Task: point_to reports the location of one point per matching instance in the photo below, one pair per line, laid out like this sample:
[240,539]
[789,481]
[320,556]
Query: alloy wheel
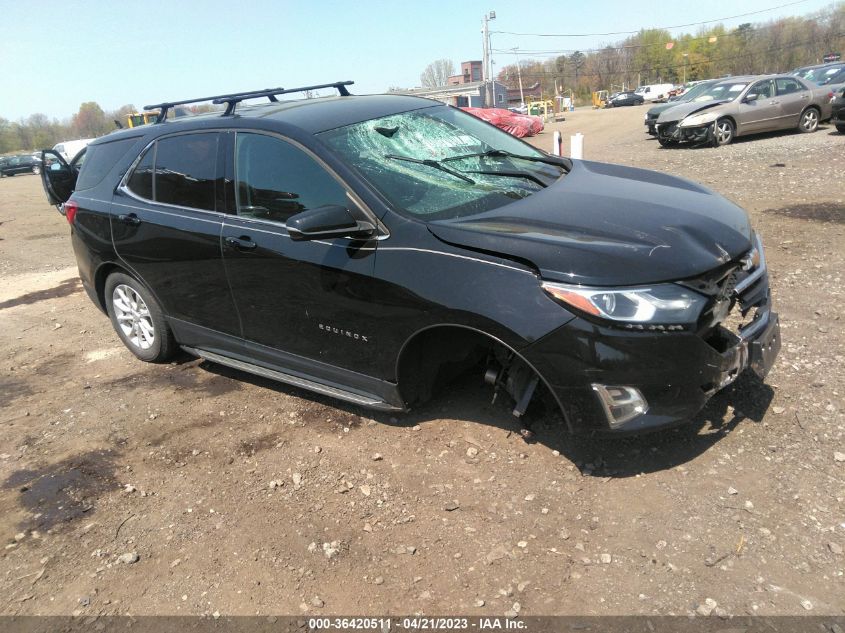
[809,121]
[724,132]
[133,317]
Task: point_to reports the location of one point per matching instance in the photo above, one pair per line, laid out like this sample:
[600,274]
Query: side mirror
[751,97]
[328,221]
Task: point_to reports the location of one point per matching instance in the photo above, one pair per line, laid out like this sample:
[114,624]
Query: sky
[56,55]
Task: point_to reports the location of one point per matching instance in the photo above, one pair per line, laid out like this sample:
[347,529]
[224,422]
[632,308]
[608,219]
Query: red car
[519,125]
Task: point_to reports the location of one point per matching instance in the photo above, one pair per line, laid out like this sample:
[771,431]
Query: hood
[661,107]
[683,110]
[607,225]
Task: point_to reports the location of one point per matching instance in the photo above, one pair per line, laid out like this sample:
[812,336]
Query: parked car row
[31,163]
[719,111]
[20,164]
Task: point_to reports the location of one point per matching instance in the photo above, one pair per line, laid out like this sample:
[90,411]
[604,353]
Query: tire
[36,169]
[809,121]
[137,318]
[723,132]
[666,142]
[840,127]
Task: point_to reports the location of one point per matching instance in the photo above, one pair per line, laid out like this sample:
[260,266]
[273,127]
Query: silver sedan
[745,105]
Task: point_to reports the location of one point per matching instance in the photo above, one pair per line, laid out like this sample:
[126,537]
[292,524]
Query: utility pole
[685,68]
[486,65]
[515,49]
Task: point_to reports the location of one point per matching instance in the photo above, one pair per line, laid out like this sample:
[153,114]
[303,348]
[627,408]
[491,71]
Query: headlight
[657,307]
[698,119]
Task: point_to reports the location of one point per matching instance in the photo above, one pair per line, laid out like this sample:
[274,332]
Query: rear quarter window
[99,159]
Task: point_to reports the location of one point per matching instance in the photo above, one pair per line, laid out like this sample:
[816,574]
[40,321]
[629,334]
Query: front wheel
[809,121]
[723,132]
[137,318]
[666,142]
[840,127]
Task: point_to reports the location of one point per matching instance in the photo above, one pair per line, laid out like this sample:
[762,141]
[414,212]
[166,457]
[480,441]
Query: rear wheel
[840,127]
[723,132]
[809,121]
[36,169]
[137,318]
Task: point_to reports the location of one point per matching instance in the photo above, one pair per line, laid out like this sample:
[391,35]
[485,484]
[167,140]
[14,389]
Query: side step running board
[297,381]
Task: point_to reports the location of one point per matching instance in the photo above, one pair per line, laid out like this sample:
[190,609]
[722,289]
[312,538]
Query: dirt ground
[189,488]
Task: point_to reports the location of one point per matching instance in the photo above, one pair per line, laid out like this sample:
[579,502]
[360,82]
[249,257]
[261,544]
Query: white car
[654,92]
[69,149]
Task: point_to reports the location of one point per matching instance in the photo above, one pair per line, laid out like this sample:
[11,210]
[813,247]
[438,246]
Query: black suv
[372,247]
[20,164]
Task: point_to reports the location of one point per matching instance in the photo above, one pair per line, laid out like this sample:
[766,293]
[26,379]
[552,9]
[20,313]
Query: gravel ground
[193,489]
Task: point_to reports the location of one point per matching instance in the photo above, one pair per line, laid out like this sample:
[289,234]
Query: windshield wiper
[494,153]
[430,162]
[511,174]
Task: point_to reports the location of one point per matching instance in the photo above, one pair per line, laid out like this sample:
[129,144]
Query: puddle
[64,491]
[816,212]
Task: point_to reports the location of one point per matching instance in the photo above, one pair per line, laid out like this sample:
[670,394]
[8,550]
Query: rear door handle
[131,219]
[242,243]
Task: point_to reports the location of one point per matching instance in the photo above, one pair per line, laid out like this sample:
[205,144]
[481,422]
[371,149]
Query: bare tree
[437,73]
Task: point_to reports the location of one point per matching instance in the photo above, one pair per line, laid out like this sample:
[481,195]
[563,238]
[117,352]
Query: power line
[550,74]
[677,26]
[681,40]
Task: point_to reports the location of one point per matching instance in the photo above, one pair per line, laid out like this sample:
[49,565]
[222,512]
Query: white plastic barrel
[577,146]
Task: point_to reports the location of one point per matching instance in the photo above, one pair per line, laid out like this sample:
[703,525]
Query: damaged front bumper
[675,373]
[674,132]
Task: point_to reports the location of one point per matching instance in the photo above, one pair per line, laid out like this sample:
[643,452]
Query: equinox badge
[341,332]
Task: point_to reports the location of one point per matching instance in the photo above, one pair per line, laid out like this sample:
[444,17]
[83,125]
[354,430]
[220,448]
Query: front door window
[275,179]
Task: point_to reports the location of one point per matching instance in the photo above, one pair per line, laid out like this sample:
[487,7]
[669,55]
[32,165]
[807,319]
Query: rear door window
[787,86]
[185,170]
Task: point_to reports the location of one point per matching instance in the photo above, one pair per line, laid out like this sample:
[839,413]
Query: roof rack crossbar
[233,100]
[165,106]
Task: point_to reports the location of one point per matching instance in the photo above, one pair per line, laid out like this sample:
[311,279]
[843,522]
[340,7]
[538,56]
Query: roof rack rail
[165,106]
[233,100]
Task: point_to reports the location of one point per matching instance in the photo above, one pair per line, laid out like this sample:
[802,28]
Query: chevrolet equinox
[369,247]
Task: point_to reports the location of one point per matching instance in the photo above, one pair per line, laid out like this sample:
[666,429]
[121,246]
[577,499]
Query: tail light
[70,209]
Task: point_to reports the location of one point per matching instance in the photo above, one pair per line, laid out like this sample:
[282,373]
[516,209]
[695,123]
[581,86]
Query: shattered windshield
[441,163]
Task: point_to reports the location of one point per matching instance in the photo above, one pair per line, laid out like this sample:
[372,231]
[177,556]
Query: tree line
[655,56]
[38,131]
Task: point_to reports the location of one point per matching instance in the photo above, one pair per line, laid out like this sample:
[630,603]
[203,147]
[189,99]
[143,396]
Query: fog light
[620,404]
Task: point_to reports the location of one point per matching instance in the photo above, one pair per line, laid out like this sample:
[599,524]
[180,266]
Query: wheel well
[100,277]
[812,107]
[439,353]
[729,118]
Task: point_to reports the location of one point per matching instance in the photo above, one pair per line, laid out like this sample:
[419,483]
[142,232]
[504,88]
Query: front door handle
[242,243]
[131,219]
